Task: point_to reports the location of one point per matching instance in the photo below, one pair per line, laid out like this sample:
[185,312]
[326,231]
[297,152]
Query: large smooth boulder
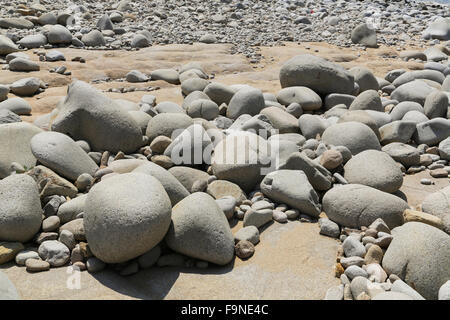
[125,216]
[241,158]
[281,120]
[416,90]
[23,65]
[357,137]
[367,100]
[33,41]
[61,154]
[175,190]
[319,177]
[361,116]
[316,73]
[245,101]
[20,208]
[438,29]
[436,105]
[15,146]
[17,105]
[292,188]
[409,76]
[86,114]
[420,255]
[364,78]
[187,176]
[7,46]
[93,39]
[304,96]
[432,132]
[375,169]
[25,86]
[219,93]
[404,153]
[397,131]
[403,108]
[312,125]
[438,204]
[165,124]
[444,149]
[364,35]
[200,230]
[16,23]
[58,34]
[356,205]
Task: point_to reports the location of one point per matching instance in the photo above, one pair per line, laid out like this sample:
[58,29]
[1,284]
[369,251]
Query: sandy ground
[292,261]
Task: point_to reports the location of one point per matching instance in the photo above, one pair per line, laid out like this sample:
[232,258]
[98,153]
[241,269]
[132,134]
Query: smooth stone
[245,101]
[20,208]
[61,154]
[329,228]
[17,105]
[318,74]
[356,205]
[54,252]
[356,136]
[403,153]
[293,188]
[118,233]
[200,230]
[250,233]
[425,251]
[304,96]
[375,169]
[88,115]
[438,204]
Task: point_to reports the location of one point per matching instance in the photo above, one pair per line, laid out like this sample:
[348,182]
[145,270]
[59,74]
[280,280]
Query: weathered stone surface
[200,230]
[375,169]
[292,187]
[316,73]
[420,255]
[88,115]
[355,205]
[125,216]
[356,136]
[20,208]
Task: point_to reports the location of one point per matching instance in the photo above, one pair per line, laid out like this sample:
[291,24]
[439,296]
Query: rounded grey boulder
[316,73]
[61,154]
[58,34]
[200,230]
[305,97]
[15,146]
[86,114]
[364,35]
[420,255]
[293,188]
[355,205]
[438,204]
[164,124]
[20,208]
[245,101]
[125,216]
[357,137]
[367,100]
[375,169]
[93,39]
[240,158]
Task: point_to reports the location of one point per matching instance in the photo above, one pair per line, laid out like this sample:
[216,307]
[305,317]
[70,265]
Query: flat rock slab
[292,261]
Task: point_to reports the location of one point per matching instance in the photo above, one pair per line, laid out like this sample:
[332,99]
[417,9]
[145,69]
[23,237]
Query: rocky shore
[101,183]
